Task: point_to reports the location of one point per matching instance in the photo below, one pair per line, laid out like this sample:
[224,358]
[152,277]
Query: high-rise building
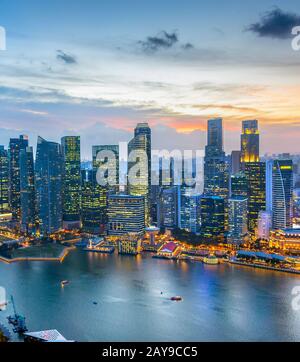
[15,146]
[144,129]
[250,142]
[168,207]
[264,225]
[71,181]
[235,162]
[48,180]
[126,214]
[93,204]
[139,180]
[216,169]
[238,185]
[189,211]
[212,218]
[27,191]
[112,165]
[4,181]
[255,173]
[282,194]
[238,210]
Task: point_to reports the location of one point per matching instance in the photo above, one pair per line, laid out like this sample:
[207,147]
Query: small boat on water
[211,260]
[177,298]
[64,282]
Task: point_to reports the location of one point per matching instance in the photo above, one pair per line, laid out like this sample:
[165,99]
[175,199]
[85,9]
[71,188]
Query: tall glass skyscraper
[15,146]
[282,194]
[255,173]
[4,181]
[189,211]
[71,181]
[48,172]
[27,190]
[213,218]
[250,142]
[140,183]
[144,129]
[238,212]
[93,204]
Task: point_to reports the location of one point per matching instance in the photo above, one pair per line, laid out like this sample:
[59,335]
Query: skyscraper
[216,169]
[144,129]
[27,190]
[238,185]
[264,225]
[139,180]
[238,211]
[189,211]
[126,214]
[255,173]
[71,173]
[250,142]
[4,181]
[212,218]
[235,162]
[282,194]
[168,207]
[15,146]
[93,204]
[48,173]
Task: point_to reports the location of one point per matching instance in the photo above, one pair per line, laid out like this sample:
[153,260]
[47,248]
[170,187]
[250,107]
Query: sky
[95,68]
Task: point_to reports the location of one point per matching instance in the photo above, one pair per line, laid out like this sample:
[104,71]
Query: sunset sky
[96,68]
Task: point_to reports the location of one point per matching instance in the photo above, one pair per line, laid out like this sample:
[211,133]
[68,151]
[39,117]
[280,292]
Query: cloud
[275,24]
[187,46]
[163,40]
[35,113]
[66,58]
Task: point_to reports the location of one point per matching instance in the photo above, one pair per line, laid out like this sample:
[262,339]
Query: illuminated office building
[282,194]
[238,185]
[15,146]
[4,181]
[126,214]
[255,173]
[139,183]
[212,218]
[264,225]
[48,181]
[93,204]
[71,181]
[144,129]
[112,164]
[250,142]
[238,212]
[189,211]
[235,162]
[27,191]
[168,207]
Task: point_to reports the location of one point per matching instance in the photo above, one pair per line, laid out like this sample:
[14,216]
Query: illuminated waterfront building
[126,214]
[71,181]
[93,204]
[129,244]
[264,225]
[4,181]
[287,240]
[212,218]
[27,190]
[15,146]
[250,142]
[139,181]
[282,194]
[168,207]
[255,173]
[237,220]
[48,178]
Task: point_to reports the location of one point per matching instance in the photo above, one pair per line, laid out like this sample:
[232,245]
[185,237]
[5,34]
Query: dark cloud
[163,40]
[187,46]
[275,24]
[66,58]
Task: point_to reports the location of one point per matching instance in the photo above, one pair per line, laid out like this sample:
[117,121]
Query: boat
[211,260]
[177,298]
[64,282]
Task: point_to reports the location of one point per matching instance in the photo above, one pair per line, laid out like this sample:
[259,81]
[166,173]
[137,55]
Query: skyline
[105,67]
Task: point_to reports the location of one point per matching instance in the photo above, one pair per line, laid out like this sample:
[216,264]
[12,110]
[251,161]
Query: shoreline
[59,258]
[250,265]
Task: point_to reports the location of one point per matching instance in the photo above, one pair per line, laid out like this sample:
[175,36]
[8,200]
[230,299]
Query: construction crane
[17,320]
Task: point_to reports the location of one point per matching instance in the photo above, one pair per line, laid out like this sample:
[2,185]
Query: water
[220,303]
